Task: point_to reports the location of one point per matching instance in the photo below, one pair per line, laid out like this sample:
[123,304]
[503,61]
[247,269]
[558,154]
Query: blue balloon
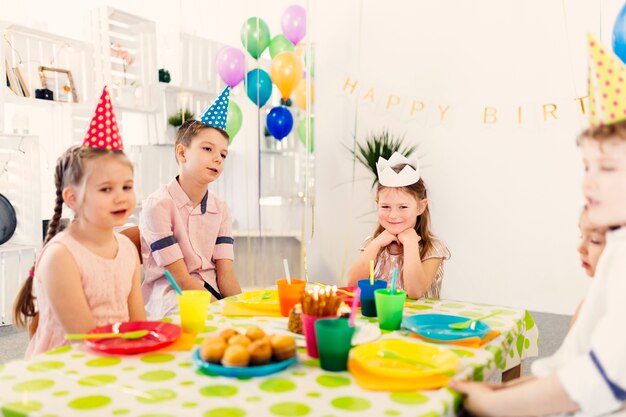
[258,86]
[279,122]
[619,34]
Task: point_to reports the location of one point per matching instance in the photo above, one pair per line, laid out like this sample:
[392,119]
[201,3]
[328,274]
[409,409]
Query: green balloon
[233,122]
[279,44]
[255,36]
[302,132]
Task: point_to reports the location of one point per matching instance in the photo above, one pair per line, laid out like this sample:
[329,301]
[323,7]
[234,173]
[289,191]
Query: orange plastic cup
[289,295]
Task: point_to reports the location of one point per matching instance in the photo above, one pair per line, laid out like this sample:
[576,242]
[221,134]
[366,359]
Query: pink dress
[106,283]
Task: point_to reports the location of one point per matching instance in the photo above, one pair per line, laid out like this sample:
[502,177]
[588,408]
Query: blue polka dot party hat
[215,114]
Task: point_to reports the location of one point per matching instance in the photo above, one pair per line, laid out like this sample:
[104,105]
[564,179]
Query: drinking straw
[173,282]
[393,280]
[355,300]
[371,272]
[287,275]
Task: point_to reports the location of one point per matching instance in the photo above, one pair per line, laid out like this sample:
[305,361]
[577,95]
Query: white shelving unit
[49,127]
[113,28]
[175,99]
[27,49]
[20,184]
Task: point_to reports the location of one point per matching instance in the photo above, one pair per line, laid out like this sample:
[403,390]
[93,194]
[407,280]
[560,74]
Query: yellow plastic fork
[137,334]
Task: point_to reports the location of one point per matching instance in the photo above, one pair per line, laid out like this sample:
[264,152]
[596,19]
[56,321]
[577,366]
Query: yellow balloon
[286,72]
[299,95]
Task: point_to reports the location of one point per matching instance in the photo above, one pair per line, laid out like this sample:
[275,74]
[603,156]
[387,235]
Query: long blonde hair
[69,171]
[422,223]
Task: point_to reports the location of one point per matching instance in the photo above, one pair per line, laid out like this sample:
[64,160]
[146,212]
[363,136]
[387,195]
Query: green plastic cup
[389,308]
[334,340]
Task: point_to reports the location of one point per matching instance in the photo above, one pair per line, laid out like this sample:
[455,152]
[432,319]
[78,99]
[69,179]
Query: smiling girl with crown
[403,236]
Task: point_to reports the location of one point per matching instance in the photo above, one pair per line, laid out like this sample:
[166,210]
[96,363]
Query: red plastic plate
[160,335]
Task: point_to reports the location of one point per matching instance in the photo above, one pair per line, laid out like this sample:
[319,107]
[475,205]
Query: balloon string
[348,238]
[571,62]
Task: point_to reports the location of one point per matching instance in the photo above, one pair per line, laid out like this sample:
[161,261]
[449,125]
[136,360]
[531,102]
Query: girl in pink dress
[86,276]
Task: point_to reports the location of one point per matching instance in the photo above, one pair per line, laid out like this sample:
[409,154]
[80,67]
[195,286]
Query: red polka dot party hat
[607,85]
[103,132]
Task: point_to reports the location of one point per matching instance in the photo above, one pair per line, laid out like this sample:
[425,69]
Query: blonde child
[184,228]
[587,375]
[404,219]
[87,275]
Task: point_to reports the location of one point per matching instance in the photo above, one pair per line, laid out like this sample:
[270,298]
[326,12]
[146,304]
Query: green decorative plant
[376,145]
[179,118]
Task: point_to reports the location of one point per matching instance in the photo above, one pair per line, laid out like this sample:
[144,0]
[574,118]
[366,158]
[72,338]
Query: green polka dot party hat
[215,115]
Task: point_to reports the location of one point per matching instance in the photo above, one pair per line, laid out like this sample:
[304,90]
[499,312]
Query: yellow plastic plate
[373,382]
[259,299]
[433,360]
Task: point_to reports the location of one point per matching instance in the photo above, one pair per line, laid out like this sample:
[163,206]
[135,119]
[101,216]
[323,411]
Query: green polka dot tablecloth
[73,381]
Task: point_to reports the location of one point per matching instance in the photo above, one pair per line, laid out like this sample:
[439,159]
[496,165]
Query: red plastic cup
[310,337]
[289,294]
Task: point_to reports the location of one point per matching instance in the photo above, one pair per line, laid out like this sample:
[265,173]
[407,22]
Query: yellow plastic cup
[194,305]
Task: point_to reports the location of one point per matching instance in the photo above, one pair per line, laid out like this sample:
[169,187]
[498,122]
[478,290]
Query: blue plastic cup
[368,302]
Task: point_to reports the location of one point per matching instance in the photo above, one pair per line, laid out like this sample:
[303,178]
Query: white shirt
[591,363]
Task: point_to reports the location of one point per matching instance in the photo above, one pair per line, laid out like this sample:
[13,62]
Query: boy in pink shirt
[184,227]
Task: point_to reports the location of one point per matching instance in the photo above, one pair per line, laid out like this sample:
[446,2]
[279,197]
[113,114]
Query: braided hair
[69,171]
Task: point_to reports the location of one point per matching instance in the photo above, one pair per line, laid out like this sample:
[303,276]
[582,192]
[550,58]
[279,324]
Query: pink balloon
[294,23]
[231,65]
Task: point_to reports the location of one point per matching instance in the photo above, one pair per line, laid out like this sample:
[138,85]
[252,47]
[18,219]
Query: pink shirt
[106,284]
[172,229]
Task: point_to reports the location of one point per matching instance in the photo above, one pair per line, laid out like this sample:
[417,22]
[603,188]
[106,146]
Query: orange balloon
[299,95]
[286,72]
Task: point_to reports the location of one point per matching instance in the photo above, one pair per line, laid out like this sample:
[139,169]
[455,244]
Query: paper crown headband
[607,85]
[102,131]
[216,114]
[389,178]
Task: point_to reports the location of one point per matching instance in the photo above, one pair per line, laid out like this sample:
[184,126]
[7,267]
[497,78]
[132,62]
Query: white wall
[504,197]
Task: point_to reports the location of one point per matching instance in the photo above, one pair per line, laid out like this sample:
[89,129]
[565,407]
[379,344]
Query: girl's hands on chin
[385,238]
[408,237]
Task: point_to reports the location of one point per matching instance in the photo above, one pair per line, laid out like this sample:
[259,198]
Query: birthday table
[74,381]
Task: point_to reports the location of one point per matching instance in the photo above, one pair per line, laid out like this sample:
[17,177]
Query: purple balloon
[231,65]
[294,23]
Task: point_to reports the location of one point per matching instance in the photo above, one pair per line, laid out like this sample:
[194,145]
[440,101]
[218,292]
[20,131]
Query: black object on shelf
[63,223]
[44,94]
[164,76]
[8,219]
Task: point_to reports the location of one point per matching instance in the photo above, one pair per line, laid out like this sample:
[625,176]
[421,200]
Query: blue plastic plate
[435,326]
[248,371]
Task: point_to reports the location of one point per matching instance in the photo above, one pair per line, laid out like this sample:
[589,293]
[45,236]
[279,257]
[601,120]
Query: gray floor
[552,330]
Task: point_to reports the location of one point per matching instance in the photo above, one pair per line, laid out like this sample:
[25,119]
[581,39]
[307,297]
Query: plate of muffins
[253,353]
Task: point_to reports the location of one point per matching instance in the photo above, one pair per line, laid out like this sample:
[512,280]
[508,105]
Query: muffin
[239,339]
[260,352]
[236,356]
[294,324]
[212,349]
[255,333]
[283,347]
[214,339]
[228,333]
